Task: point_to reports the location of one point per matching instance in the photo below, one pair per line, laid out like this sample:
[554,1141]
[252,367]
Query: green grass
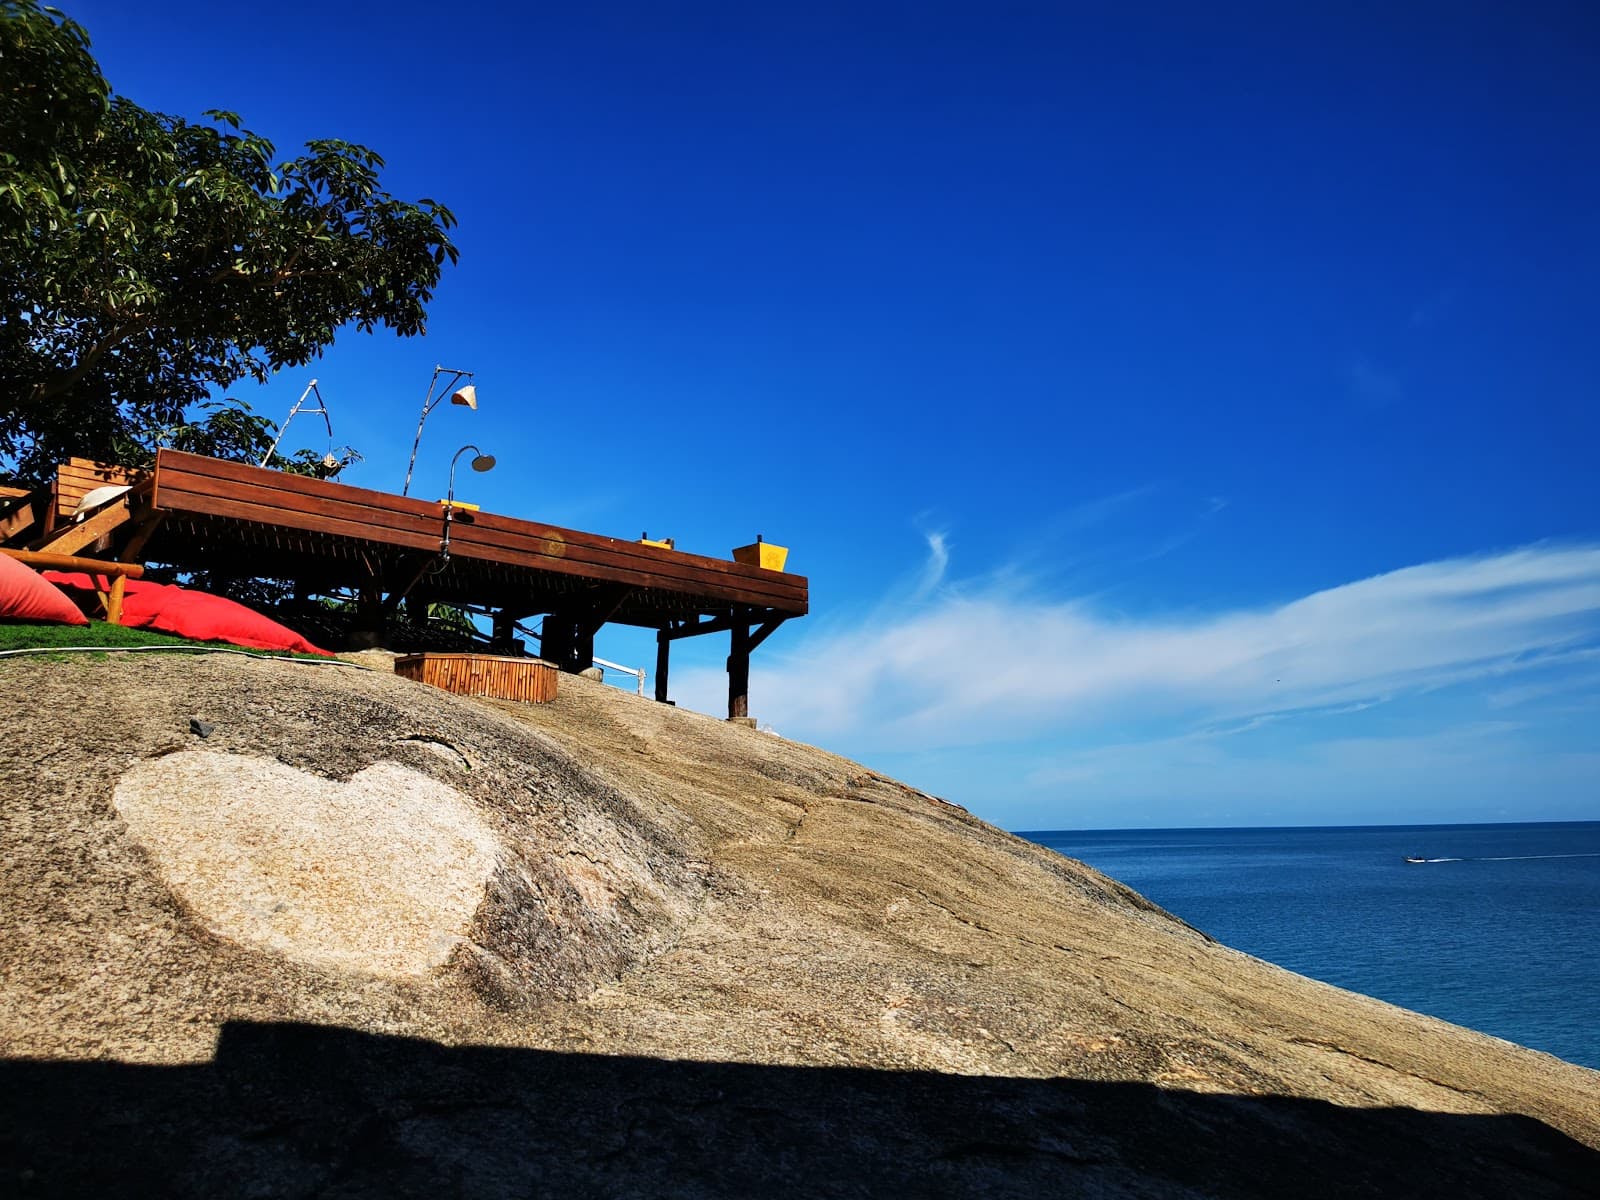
[23,636]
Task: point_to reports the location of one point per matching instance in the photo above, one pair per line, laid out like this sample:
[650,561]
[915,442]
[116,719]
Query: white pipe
[638,671]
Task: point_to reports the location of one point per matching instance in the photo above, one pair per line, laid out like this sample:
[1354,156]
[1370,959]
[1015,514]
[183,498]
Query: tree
[146,261]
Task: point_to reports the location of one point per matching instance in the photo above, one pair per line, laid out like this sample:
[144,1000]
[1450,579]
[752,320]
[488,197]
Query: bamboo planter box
[531,680]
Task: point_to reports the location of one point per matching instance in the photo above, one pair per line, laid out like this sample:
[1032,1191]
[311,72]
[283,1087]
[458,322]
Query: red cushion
[197,615]
[26,596]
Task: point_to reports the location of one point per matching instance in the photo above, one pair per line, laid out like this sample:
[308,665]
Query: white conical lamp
[467,396]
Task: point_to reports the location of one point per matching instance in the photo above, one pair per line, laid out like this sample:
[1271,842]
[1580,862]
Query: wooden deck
[200,513]
[514,559]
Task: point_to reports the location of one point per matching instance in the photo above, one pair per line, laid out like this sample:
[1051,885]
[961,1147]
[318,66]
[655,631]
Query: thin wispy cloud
[1097,511]
[933,569]
[992,663]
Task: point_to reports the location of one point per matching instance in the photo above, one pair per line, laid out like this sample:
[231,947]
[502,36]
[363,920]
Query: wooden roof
[237,518]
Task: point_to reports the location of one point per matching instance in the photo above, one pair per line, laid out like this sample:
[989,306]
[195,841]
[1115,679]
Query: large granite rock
[365,938]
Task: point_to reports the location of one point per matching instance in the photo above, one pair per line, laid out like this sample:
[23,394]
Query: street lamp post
[467,397]
[481,462]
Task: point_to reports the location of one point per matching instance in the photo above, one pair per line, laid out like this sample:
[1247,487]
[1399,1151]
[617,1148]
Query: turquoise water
[1499,931]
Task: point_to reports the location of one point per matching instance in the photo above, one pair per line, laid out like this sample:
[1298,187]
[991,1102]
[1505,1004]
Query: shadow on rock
[292,1110]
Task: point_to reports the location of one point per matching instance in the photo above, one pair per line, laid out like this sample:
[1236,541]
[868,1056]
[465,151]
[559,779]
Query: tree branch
[65,380]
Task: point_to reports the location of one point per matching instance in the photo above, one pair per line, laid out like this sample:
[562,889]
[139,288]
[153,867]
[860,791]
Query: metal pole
[450,501]
[427,407]
[310,387]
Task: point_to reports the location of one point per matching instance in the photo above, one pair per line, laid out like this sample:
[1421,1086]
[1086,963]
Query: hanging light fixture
[466,397]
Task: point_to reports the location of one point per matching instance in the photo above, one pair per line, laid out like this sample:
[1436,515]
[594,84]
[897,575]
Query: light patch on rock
[380,874]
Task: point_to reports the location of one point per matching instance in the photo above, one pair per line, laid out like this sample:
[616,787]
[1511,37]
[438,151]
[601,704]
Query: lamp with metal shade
[481,462]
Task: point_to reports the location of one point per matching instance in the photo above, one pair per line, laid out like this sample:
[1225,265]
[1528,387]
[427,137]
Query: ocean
[1499,930]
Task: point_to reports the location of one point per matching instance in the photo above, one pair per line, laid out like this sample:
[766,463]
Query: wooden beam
[423,564]
[142,534]
[696,628]
[608,599]
[71,562]
[766,631]
[69,539]
[20,518]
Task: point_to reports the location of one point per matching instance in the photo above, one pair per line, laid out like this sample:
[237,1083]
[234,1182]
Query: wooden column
[555,641]
[503,639]
[663,655]
[739,668]
[367,629]
[568,642]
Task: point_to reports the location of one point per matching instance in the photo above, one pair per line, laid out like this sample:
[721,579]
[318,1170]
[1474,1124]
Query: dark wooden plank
[175,496]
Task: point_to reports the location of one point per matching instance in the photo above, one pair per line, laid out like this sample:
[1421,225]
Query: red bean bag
[197,615]
[25,595]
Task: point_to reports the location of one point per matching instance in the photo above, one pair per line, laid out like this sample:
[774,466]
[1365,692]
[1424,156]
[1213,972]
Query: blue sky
[1185,414]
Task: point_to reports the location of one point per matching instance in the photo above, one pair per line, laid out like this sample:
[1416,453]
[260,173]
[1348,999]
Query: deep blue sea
[1499,931]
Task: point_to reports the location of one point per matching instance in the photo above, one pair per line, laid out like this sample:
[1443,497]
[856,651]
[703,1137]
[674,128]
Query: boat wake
[1501,858]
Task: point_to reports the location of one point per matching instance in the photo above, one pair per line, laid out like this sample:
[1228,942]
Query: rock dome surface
[363,938]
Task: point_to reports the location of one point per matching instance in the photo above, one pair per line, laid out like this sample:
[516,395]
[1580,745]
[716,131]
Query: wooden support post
[567,642]
[739,668]
[503,639]
[119,583]
[663,656]
[569,631]
[367,630]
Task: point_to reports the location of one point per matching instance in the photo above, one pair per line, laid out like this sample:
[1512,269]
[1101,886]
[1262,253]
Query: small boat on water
[1412,858]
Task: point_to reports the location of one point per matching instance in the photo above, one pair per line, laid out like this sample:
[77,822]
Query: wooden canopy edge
[391,511]
[194,485]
